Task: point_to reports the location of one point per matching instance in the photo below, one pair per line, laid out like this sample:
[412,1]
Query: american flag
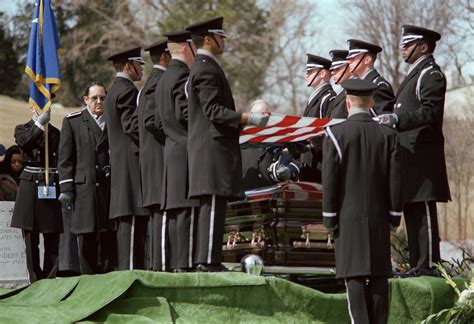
[288,191]
[285,129]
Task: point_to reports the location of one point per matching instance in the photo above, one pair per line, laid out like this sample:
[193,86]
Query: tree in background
[9,69]
[380,22]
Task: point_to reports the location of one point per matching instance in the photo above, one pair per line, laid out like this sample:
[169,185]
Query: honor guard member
[362,56]
[318,106]
[122,130]
[340,72]
[37,209]
[361,201]
[151,144]
[172,110]
[418,116]
[84,174]
[215,169]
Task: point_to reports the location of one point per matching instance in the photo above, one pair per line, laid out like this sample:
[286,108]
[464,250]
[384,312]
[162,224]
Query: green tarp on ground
[149,297]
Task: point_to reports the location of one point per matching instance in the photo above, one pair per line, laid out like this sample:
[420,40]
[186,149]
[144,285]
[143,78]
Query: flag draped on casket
[282,129]
[42,65]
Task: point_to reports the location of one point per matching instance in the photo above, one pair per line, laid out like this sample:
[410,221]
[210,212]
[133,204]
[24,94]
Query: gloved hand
[258,119]
[44,118]
[284,173]
[66,198]
[388,119]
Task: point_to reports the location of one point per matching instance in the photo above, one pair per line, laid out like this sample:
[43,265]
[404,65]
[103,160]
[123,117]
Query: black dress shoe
[407,274]
[432,272]
[210,268]
[180,270]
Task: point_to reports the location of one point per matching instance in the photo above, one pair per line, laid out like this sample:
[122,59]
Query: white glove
[388,119]
[258,119]
[44,118]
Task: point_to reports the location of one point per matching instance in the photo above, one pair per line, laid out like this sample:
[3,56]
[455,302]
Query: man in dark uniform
[340,73]
[361,201]
[122,131]
[152,140]
[418,116]
[173,112]
[37,211]
[319,105]
[84,175]
[362,56]
[215,170]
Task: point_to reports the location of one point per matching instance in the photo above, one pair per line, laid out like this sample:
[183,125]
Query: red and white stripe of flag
[286,129]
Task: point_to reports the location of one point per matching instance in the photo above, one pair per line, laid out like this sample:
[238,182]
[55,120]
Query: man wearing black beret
[362,56]
[418,116]
[361,201]
[215,166]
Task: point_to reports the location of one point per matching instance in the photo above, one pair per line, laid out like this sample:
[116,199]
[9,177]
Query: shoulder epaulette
[74,114]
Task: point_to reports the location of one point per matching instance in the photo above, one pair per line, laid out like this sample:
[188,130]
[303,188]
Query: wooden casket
[283,224]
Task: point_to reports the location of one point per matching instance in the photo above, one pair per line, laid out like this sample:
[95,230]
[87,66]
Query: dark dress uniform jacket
[30,213]
[362,194]
[255,163]
[173,112]
[420,107]
[152,140]
[319,106]
[122,130]
[384,97]
[83,169]
[338,106]
[215,166]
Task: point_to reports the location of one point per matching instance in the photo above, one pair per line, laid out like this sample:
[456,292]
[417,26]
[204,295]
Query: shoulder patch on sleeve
[74,114]
[383,83]
[438,72]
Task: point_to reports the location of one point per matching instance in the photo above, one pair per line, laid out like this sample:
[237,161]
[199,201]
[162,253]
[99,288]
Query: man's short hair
[360,101]
[198,40]
[119,67]
[93,84]
[431,45]
[175,48]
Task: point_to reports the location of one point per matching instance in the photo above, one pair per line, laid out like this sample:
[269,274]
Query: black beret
[317,62]
[357,47]
[182,36]
[338,58]
[124,56]
[211,26]
[158,48]
[411,33]
[359,87]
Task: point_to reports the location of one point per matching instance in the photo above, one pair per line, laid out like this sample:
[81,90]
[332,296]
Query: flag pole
[46,158]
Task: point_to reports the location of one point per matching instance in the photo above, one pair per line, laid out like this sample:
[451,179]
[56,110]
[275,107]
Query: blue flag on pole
[42,65]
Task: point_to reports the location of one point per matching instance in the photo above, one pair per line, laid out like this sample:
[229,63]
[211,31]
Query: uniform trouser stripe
[163,242]
[349,302]
[211,229]
[132,236]
[430,235]
[191,238]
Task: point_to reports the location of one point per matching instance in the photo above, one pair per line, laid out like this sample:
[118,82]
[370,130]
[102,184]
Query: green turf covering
[148,297]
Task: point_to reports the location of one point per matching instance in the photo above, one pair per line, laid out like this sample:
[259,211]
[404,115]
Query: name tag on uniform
[44,193]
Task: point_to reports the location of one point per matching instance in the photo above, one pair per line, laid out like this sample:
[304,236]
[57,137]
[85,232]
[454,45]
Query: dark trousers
[210,230]
[131,242]
[181,233]
[97,252]
[368,299]
[423,234]
[159,240]
[50,257]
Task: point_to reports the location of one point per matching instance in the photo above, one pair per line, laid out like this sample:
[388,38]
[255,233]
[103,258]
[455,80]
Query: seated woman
[11,168]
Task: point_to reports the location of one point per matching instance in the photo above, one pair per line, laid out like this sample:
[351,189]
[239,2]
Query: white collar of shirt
[124,75]
[98,120]
[160,67]
[357,110]
[206,52]
[316,91]
[366,73]
[417,62]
